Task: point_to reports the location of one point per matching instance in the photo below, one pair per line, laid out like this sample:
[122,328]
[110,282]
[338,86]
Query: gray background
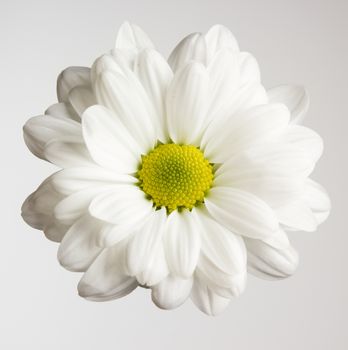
[294,41]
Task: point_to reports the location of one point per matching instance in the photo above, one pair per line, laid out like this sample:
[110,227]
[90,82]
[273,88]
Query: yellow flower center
[175,176]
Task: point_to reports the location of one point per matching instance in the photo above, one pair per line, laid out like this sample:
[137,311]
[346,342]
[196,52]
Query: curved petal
[155,74]
[72,207]
[125,205]
[305,139]
[250,129]
[68,154]
[294,97]
[105,279]
[62,110]
[187,104]
[224,79]
[191,48]
[316,197]
[171,292]
[81,97]
[241,212]
[207,301]
[219,37]
[78,248]
[108,141]
[145,243]
[68,181]
[128,100]
[219,245]
[182,243]
[246,97]
[249,69]
[132,37]
[38,131]
[268,262]
[70,78]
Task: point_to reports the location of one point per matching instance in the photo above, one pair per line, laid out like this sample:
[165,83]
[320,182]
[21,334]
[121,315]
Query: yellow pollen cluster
[175,176]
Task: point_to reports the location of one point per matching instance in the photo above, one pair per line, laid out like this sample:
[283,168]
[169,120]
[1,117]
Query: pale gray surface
[294,41]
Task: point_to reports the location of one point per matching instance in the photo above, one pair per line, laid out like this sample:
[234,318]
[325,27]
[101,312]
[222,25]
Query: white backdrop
[298,41]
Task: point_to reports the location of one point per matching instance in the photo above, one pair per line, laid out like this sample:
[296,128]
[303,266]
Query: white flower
[176,176]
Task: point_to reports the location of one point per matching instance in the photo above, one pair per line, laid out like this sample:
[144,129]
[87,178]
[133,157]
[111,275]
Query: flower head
[177,176]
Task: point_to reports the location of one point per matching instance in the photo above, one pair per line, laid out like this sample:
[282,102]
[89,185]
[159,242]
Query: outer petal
[246,97]
[250,129]
[38,131]
[127,99]
[70,78]
[241,212]
[187,104]
[106,279]
[132,37]
[207,301]
[191,48]
[155,75]
[219,37]
[269,262]
[108,141]
[78,248]
[126,206]
[171,292]
[145,243]
[81,97]
[68,181]
[294,97]
[316,197]
[182,243]
[37,211]
[249,69]
[62,110]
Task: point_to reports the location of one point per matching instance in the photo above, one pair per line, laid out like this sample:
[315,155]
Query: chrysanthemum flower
[177,176]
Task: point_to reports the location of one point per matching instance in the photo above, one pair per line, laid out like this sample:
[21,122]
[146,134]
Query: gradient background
[296,41]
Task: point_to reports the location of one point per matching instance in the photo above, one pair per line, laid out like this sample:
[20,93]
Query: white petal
[207,301]
[72,207]
[266,261]
[132,37]
[294,97]
[38,131]
[70,78]
[241,212]
[250,129]
[273,181]
[78,248]
[297,215]
[126,205]
[68,154]
[182,243]
[62,110]
[246,97]
[81,97]
[108,141]
[55,231]
[155,75]
[156,271]
[249,69]
[106,279]
[144,244]
[128,100]
[222,247]
[224,78]
[71,180]
[191,48]
[316,197]
[187,104]
[219,37]
[171,292]
[305,139]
